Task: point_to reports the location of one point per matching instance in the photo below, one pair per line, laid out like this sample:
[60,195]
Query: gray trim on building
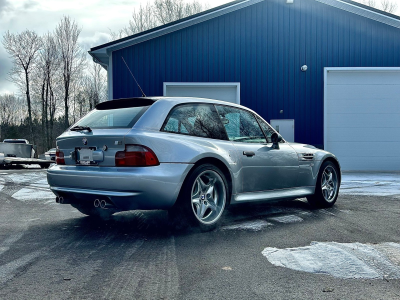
[364,12]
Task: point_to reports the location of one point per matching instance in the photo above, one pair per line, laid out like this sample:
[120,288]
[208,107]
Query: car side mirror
[276,138]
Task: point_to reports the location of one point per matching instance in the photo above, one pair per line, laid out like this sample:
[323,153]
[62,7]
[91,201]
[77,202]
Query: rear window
[112,118]
[16,141]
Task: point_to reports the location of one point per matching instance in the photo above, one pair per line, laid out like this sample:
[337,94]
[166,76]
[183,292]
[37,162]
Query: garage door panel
[365,149]
[361,134]
[357,77]
[355,120]
[362,118]
[369,164]
[369,92]
[362,106]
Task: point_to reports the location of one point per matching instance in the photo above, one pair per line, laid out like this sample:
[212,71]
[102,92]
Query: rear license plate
[85,156]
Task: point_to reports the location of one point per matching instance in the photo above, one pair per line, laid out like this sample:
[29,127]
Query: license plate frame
[84,156]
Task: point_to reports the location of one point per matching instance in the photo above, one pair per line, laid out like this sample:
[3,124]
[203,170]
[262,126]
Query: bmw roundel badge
[84,141]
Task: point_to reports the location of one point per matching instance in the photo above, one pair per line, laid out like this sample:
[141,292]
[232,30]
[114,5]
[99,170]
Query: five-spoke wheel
[203,198]
[327,188]
[208,196]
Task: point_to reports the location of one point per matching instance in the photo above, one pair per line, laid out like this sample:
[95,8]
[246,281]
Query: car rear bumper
[128,188]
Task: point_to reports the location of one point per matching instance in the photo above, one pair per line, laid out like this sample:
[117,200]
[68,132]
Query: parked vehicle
[50,154]
[19,152]
[191,156]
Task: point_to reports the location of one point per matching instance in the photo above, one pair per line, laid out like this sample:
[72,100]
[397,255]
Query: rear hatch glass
[112,118]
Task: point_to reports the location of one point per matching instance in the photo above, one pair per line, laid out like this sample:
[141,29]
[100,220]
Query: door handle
[248,153]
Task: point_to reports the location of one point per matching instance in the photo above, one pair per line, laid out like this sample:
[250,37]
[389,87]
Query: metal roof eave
[364,11]
[99,53]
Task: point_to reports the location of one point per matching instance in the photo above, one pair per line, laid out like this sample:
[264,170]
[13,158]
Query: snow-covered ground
[374,184]
[26,186]
[343,260]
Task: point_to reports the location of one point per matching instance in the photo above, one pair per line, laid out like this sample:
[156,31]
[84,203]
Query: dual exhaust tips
[61,200]
[104,204]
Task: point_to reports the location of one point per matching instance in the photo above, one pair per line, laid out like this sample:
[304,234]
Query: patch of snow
[251,225]
[27,177]
[27,194]
[376,184]
[40,184]
[342,260]
[287,219]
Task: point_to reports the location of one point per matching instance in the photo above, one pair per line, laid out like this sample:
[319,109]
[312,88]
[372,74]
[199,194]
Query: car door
[263,167]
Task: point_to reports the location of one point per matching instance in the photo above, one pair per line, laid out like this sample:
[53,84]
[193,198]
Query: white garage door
[225,91]
[362,117]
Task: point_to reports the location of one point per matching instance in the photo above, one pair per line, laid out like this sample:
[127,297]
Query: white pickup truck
[19,152]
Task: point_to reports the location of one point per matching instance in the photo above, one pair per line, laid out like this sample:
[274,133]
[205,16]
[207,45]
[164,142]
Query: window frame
[213,109]
[248,111]
[259,120]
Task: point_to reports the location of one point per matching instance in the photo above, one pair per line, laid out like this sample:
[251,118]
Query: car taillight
[136,156]
[60,157]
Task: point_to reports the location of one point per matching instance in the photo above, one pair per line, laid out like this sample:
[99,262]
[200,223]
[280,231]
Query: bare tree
[47,67]
[95,85]
[371,3]
[389,6]
[11,113]
[23,49]
[171,10]
[72,57]
[159,13]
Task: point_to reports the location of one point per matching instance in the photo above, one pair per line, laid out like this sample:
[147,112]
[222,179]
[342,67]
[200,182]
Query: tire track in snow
[11,269]
[148,271]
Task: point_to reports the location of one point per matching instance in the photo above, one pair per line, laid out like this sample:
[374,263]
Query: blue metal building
[261,44]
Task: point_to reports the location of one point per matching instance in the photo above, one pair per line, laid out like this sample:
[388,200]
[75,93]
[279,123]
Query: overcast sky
[95,17]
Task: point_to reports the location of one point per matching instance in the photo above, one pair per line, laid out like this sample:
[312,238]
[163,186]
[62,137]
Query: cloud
[5,66]
[4,5]
[29,5]
[98,38]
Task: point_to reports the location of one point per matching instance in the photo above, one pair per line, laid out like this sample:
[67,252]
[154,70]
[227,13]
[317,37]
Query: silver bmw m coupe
[190,156]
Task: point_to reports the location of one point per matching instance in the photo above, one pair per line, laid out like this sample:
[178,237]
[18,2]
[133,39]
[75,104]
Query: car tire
[94,212]
[327,186]
[202,200]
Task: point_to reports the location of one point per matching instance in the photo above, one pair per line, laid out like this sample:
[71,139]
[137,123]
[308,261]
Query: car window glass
[112,118]
[268,130]
[195,119]
[240,125]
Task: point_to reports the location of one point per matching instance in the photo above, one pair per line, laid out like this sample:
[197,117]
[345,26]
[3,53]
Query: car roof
[154,117]
[143,101]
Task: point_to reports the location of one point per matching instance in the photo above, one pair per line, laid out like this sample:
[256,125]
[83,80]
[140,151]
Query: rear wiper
[80,128]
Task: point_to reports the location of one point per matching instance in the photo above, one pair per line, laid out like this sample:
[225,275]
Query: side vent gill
[306,156]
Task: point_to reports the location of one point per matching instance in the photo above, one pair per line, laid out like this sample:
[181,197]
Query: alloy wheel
[208,197]
[329,183]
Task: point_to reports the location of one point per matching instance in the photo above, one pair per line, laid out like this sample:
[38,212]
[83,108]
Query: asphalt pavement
[282,250]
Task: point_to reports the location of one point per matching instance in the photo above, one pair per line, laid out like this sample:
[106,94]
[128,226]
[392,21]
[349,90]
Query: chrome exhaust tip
[57,199]
[61,200]
[105,205]
[97,203]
